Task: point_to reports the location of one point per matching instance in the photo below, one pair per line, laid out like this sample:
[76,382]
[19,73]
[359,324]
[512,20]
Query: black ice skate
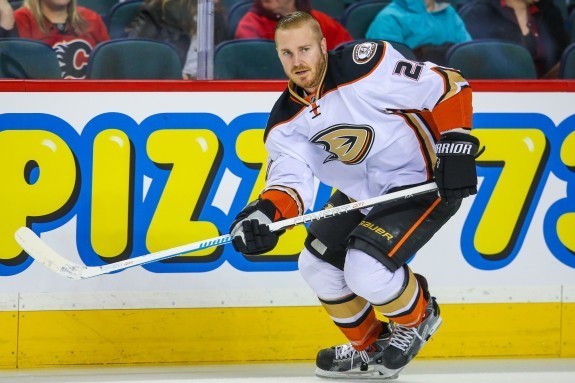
[345,362]
[405,342]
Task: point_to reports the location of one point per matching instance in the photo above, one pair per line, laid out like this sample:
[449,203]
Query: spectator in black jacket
[535,24]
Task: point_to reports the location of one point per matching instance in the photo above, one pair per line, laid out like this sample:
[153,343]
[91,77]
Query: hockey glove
[250,230]
[455,173]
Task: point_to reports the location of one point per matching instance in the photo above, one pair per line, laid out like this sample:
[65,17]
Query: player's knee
[376,250]
[369,278]
[324,279]
[305,264]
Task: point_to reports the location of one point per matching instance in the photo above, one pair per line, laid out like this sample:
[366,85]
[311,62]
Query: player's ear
[323,46]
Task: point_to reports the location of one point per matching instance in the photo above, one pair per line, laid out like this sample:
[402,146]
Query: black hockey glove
[455,173]
[250,230]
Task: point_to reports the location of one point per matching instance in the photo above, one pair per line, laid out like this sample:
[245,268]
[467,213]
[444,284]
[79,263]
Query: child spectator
[260,21]
[175,22]
[535,24]
[70,30]
[427,27]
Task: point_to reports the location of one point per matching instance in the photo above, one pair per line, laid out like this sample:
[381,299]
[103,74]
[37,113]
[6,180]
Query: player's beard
[316,75]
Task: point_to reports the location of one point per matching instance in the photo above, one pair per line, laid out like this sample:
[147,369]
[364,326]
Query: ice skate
[345,362]
[405,342]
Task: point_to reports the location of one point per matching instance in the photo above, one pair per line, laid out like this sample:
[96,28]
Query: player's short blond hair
[298,19]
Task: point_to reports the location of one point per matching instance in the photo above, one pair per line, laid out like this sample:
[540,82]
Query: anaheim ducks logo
[364,52]
[73,57]
[349,144]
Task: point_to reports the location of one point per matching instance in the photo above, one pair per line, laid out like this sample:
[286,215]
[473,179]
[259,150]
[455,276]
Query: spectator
[175,21]
[70,30]
[6,19]
[427,27]
[535,24]
[261,20]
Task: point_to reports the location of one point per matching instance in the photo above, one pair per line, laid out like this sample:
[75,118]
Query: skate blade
[376,373]
[434,329]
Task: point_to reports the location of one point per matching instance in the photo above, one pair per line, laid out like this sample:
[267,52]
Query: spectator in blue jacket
[426,26]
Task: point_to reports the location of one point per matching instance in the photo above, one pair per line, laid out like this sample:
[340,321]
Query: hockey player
[365,121]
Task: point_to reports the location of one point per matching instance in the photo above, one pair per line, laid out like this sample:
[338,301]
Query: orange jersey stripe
[455,112]
[286,206]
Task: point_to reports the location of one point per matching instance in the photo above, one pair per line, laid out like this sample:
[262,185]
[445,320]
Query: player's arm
[443,98]
[456,149]
[289,189]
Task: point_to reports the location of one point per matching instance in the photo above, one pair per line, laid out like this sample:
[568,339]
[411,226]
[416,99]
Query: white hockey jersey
[371,126]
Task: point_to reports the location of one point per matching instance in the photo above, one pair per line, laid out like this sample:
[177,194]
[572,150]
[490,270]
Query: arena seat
[359,16]
[227,4]
[134,59]
[121,15]
[247,59]
[491,59]
[235,14]
[567,65]
[16,3]
[102,7]
[333,8]
[24,58]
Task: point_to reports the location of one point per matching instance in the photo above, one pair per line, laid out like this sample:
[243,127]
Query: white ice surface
[419,371]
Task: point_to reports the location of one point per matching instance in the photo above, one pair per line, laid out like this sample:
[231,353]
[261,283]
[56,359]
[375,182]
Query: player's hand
[455,173]
[250,230]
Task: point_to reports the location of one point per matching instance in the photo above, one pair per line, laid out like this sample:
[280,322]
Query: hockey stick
[41,252]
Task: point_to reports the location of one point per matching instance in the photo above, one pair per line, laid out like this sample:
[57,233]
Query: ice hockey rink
[419,371]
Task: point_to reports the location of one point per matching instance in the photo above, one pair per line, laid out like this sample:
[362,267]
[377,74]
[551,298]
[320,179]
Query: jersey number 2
[408,69]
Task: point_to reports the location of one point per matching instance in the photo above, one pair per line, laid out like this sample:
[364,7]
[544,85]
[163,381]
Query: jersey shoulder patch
[364,52]
[354,61]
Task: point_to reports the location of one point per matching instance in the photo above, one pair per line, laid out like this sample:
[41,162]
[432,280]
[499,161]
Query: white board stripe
[265,298]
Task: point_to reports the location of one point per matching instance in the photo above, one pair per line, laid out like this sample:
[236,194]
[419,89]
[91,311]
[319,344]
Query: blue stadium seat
[247,59]
[134,59]
[333,8]
[358,17]
[102,7]
[491,59]
[562,5]
[227,4]
[16,3]
[235,14]
[24,58]
[567,65]
[121,15]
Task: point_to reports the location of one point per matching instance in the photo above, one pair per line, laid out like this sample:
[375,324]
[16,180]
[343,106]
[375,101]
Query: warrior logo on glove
[455,172]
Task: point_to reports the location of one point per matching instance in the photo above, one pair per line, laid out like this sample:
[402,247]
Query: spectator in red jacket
[70,30]
[260,21]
